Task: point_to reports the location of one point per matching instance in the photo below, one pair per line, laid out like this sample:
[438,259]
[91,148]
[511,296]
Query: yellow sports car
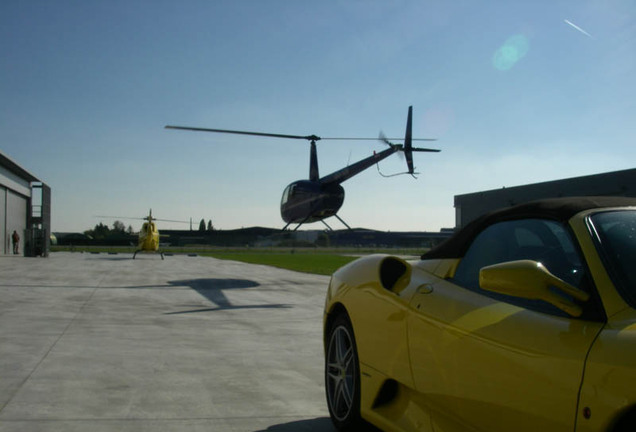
[525,320]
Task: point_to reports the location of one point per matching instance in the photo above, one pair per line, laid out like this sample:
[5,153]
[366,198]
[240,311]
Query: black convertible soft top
[558,209]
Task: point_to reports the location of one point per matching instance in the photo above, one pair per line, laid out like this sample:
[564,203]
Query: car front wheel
[342,377]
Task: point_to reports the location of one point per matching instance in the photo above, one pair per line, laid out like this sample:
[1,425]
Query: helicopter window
[288,193]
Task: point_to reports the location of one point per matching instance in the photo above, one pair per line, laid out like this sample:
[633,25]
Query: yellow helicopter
[148,237]
[149,234]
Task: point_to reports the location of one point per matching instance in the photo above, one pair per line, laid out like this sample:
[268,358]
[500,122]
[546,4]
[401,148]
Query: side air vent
[387,393]
[393,270]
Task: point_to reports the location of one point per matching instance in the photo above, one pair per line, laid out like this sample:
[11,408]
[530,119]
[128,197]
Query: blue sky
[515,92]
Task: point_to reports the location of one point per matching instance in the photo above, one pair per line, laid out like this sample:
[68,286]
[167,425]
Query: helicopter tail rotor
[407,148]
[408,143]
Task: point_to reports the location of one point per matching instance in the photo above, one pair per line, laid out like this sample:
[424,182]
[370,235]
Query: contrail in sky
[571,24]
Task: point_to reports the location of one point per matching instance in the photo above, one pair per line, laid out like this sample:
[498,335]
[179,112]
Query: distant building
[25,207]
[617,183]
[271,237]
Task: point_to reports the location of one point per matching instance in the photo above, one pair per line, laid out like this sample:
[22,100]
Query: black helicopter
[315,199]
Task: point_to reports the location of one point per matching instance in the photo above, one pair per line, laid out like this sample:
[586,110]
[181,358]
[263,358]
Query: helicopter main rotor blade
[140,218]
[375,139]
[121,217]
[169,220]
[416,149]
[307,137]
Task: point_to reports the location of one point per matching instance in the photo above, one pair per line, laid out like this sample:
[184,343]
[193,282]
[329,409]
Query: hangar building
[617,183]
[25,207]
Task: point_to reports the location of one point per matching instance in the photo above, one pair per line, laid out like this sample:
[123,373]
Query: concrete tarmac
[105,343]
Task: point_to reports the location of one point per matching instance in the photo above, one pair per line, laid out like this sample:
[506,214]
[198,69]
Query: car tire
[342,376]
[626,422]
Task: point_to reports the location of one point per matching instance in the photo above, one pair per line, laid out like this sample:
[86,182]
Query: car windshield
[616,233]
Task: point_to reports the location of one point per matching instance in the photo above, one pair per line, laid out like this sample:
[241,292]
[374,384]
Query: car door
[489,362]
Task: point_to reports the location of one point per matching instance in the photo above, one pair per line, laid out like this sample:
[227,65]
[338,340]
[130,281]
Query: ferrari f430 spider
[525,320]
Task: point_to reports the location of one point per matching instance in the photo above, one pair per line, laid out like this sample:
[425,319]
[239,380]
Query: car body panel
[487,362]
[610,374]
[385,311]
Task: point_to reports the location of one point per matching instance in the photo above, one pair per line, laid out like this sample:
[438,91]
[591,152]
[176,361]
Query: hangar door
[3,212]
[14,213]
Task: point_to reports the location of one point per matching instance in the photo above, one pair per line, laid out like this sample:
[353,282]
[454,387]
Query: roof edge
[16,169]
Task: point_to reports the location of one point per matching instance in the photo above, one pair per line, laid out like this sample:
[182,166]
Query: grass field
[317,263]
[309,260]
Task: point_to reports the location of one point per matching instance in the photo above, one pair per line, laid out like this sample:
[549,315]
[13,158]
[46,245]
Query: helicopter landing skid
[321,220]
[340,219]
[326,224]
[343,222]
[140,250]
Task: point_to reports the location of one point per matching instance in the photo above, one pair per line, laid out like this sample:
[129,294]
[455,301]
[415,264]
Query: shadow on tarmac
[321,424]
[213,290]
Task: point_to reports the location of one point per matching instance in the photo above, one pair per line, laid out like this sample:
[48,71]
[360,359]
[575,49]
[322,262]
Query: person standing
[15,237]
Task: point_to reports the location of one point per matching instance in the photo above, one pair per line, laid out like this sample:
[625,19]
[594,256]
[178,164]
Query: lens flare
[438,120]
[509,54]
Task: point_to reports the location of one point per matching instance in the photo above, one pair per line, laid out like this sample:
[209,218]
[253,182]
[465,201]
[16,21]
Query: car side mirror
[531,280]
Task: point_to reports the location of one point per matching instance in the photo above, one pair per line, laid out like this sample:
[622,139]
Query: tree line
[101,231]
